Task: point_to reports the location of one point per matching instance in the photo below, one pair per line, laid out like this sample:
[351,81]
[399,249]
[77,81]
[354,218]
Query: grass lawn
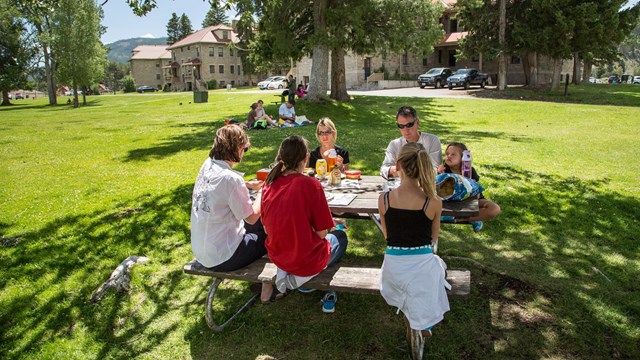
[556,276]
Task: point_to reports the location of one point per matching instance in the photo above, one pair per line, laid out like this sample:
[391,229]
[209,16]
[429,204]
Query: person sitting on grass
[261,114]
[412,276]
[287,113]
[453,165]
[226,232]
[255,121]
[301,91]
[303,238]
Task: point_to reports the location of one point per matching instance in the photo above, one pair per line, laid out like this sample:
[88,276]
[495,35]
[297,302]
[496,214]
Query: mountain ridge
[120,51]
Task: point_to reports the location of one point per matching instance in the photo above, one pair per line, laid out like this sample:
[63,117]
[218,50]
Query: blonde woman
[327,134]
[413,277]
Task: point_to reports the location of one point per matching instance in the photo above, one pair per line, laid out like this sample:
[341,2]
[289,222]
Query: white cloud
[148,36]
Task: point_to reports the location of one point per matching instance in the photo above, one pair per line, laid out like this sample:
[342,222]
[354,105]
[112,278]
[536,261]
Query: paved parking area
[407,92]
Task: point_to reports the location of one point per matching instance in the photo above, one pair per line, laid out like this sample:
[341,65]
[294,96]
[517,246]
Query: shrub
[212,84]
[128,84]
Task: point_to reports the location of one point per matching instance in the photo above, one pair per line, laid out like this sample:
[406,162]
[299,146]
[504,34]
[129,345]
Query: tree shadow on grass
[557,235]
[588,94]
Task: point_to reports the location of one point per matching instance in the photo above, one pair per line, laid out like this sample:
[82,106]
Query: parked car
[435,77]
[146,88]
[636,79]
[262,85]
[614,79]
[70,93]
[467,77]
[19,95]
[279,83]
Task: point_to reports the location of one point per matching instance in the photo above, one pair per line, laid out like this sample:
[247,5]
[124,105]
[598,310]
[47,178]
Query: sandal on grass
[270,294]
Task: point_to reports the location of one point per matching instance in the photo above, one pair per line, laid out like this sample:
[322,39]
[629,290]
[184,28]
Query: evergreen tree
[15,53]
[173,29]
[215,16]
[184,26]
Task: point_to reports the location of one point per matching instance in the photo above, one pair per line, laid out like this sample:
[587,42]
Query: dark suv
[436,77]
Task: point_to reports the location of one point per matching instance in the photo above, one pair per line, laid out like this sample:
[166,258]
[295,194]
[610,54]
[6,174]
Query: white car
[636,79]
[263,85]
[279,83]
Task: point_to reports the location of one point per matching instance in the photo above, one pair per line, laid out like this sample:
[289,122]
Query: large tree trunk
[557,73]
[586,70]
[338,80]
[5,98]
[320,61]
[502,59]
[576,68]
[530,67]
[49,70]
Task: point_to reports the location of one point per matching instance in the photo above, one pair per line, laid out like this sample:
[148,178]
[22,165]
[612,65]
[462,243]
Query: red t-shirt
[292,209]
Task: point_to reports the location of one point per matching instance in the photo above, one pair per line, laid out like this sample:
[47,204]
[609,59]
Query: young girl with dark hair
[453,165]
[302,240]
[413,277]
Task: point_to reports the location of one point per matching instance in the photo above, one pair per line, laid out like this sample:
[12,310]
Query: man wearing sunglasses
[408,123]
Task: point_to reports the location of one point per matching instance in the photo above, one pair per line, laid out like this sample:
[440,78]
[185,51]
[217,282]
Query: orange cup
[262,174]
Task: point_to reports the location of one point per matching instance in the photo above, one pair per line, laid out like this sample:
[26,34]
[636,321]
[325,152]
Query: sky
[121,23]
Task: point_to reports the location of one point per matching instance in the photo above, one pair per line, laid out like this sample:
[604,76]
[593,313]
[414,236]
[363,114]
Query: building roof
[206,35]
[150,52]
[452,38]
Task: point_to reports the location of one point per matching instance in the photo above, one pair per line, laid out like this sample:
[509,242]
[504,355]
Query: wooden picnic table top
[370,187]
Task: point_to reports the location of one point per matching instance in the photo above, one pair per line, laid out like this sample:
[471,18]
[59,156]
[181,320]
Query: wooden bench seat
[340,278]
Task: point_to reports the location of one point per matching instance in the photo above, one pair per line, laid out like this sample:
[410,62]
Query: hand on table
[254,184]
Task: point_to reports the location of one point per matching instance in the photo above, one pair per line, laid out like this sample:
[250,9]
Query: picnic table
[363,195]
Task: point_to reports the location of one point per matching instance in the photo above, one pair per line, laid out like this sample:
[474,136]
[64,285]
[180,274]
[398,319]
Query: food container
[353,174]
[262,174]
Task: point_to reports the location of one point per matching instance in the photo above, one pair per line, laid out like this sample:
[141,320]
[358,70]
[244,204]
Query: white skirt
[416,285]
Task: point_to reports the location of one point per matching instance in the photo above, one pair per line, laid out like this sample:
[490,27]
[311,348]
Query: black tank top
[407,228]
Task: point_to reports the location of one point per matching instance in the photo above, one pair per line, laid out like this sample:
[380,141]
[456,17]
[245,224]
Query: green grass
[82,189]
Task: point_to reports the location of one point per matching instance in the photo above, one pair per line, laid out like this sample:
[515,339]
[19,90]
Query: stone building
[146,64]
[205,55]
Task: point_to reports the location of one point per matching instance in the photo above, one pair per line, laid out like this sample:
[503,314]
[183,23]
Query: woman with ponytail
[302,241]
[413,277]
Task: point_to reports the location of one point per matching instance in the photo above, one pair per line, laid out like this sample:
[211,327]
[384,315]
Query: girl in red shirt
[302,241]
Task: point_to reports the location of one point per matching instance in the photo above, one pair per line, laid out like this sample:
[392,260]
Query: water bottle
[466,164]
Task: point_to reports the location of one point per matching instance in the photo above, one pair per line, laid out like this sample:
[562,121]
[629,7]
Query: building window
[220,51]
[221,83]
[198,51]
[439,56]
[515,60]
[212,69]
[424,61]
[233,83]
[230,51]
[239,70]
[453,25]
[158,64]
[212,51]
[221,69]
[158,76]
[405,58]
[181,49]
[232,69]
[225,35]
[188,47]
[174,56]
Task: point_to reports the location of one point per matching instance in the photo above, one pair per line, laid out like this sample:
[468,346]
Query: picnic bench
[281,96]
[341,278]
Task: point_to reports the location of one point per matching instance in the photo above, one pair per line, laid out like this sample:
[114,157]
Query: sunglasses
[328,132]
[407,125]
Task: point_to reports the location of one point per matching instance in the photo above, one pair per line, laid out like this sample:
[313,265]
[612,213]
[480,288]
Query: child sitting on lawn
[453,165]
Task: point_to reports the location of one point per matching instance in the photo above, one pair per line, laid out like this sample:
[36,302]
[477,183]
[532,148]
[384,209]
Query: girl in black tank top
[407,228]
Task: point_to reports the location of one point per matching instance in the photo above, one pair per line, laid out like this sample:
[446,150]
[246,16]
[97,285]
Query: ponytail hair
[293,150]
[416,164]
